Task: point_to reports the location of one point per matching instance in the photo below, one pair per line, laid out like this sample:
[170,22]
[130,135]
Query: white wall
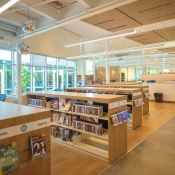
[52,43]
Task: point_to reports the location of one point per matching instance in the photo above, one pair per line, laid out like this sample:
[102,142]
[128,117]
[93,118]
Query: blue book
[128,115]
[120,118]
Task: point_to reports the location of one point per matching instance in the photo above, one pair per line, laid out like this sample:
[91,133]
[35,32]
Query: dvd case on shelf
[38,147]
[9,160]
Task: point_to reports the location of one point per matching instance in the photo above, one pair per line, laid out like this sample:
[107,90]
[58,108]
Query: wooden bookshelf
[12,118]
[145,89]
[136,93]
[112,143]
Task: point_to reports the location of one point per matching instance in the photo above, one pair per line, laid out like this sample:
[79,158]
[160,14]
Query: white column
[94,68]
[19,87]
[107,64]
[82,64]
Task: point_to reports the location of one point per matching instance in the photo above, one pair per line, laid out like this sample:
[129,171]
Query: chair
[2,97]
[58,89]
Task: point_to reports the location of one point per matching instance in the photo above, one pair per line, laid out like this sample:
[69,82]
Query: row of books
[120,117]
[96,110]
[61,118]
[63,133]
[88,126]
[36,102]
[9,158]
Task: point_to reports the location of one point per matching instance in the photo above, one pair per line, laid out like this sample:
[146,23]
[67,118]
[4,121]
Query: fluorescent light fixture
[86,55]
[137,48]
[99,38]
[7,5]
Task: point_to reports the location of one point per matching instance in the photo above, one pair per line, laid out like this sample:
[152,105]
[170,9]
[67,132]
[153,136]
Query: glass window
[51,78]
[62,78]
[38,79]
[138,72]
[71,64]
[131,74]
[25,79]
[6,79]
[71,78]
[123,74]
[5,57]
[51,62]
[62,64]
[25,59]
[39,60]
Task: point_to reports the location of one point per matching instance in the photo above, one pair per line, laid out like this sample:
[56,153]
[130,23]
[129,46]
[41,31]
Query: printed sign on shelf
[26,127]
[117,104]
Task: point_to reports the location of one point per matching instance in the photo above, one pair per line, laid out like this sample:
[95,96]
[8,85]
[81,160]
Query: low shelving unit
[136,93]
[145,90]
[108,146]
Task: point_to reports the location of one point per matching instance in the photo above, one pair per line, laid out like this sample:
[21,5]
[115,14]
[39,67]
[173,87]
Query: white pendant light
[86,55]
[137,48]
[98,38]
[7,5]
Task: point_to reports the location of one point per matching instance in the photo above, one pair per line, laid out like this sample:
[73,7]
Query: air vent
[117,27]
[136,36]
[1,38]
[104,22]
[163,16]
[154,8]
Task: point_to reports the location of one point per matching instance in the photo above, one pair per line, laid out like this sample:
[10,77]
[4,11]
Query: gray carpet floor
[154,156]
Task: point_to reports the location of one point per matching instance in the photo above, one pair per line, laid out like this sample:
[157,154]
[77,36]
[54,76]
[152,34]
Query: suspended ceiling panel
[169,49]
[61,3]
[150,11]
[168,33]
[112,21]
[146,38]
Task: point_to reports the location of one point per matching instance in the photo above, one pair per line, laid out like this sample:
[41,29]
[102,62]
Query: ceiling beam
[8,27]
[26,7]
[84,3]
[71,14]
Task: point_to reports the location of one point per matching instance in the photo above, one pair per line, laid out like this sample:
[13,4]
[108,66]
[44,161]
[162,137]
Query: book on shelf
[68,106]
[61,131]
[38,146]
[9,160]
[68,120]
[54,103]
[62,103]
[55,116]
[115,120]
[128,115]
[120,118]
[124,115]
[54,131]
[61,119]
[66,135]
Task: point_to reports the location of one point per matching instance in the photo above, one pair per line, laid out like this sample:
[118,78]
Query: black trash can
[158,97]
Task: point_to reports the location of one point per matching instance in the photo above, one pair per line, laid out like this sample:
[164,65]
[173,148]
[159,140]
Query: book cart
[17,124]
[145,91]
[108,146]
[136,93]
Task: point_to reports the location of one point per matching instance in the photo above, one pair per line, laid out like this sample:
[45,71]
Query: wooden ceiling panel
[112,20]
[169,49]
[146,38]
[168,33]
[150,11]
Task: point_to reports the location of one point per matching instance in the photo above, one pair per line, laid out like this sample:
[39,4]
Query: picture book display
[37,147]
[120,117]
[138,102]
[62,118]
[9,160]
[68,106]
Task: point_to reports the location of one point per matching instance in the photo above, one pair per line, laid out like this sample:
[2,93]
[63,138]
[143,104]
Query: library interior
[87,87]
